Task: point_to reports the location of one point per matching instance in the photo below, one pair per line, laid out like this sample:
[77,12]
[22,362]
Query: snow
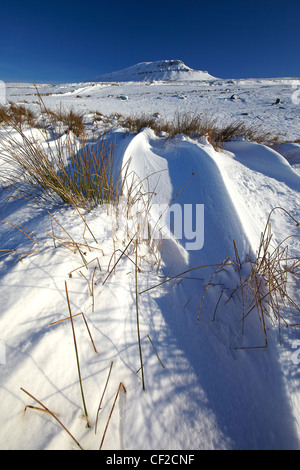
[264,160]
[202,391]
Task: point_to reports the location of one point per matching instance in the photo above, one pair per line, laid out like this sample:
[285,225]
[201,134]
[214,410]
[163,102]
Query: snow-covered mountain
[161,70]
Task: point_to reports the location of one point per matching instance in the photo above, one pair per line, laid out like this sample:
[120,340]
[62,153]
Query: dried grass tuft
[17,115]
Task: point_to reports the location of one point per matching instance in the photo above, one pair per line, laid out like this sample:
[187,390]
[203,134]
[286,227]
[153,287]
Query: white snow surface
[207,392]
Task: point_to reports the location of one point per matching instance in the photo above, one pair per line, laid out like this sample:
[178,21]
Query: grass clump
[64,121]
[193,125]
[189,124]
[269,280]
[16,115]
[137,123]
[71,171]
[263,282]
[220,135]
[197,125]
[72,120]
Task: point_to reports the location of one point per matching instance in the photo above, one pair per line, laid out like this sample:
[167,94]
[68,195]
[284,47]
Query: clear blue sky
[60,41]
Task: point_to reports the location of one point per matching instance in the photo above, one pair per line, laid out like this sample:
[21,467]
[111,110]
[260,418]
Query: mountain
[161,70]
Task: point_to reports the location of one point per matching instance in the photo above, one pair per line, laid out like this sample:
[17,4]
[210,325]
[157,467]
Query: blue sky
[60,41]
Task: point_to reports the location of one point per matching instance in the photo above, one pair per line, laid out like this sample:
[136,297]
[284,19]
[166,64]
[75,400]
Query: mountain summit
[161,70]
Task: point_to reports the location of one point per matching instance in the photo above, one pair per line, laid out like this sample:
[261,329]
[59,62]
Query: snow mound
[290,151]
[265,160]
[163,70]
[189,165]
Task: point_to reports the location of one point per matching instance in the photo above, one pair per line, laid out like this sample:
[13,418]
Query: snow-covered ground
[249,100]
[202,389]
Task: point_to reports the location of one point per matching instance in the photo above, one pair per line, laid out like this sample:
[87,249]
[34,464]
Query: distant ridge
[165,70]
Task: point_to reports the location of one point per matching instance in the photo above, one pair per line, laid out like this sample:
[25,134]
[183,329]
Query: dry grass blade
[268,280]
[87,327]
[77,357]
[118,260]
[7,251]
[93,289]
[29,253]
[217,304]
[121,387]
[222,265]
[122,254]
[155,351]
[65,319]
[20,230]
[76,245]
[85,322]
[84,266]
[54,416]
[137,314]
[31,407]
[182,273]
[100,404]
